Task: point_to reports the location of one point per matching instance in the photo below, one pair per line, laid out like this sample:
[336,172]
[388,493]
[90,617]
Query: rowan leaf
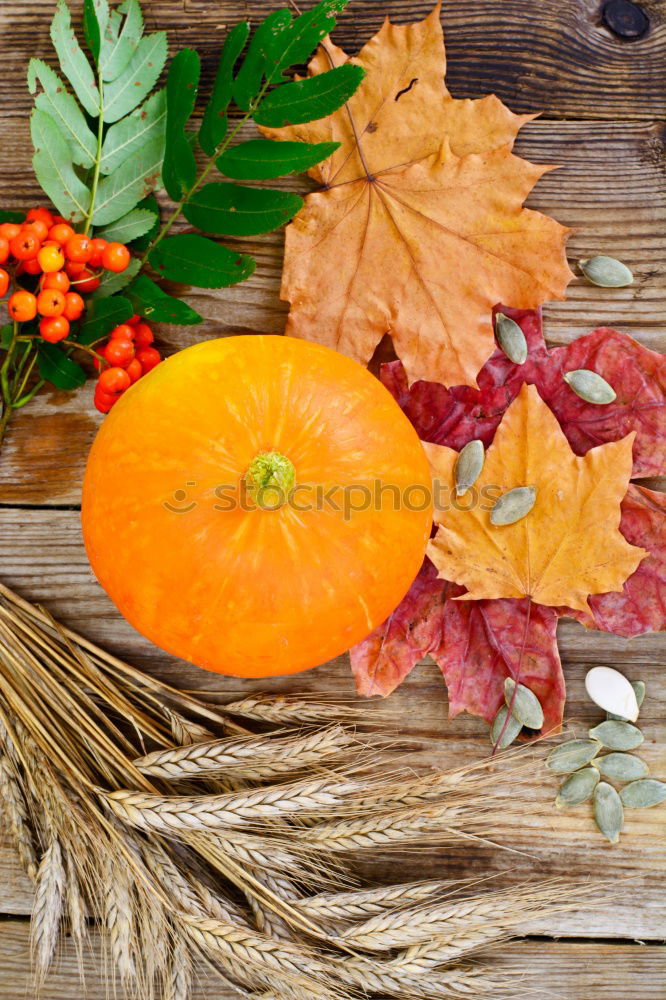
[58,369]
[62,107]
[102,315]
[180,168]
[137,80]
[111,283]
[262,160]
[232,210]
[459,414]
[151,302]
[121,38]
[247,84]
[127,136]
[569,546]
[476,645]
[54,168]
[195,260]
[300,38]
[214,124]
[149,204]
[422,214]
[74,64]
[128,184]
[130,227]
[305,100]
[95,20]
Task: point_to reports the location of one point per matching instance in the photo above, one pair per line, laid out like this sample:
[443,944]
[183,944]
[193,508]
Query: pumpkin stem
[270,479]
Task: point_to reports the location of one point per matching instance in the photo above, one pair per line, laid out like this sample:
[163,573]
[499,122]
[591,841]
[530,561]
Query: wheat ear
[178,979]
[15,809]
[48,908]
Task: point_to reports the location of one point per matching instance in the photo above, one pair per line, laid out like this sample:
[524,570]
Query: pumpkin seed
[513,506]
[590,386]
[571,756]
[617,735]
[524,704]
[578,787]
[621,766]
[643,794]
[608,811]
[607,272]
[513,728]
[610,690]
[511,339]
[469,466]
[639,691]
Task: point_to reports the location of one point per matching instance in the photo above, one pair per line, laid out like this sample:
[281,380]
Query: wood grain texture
[558,57]
[611,189]
[581,971]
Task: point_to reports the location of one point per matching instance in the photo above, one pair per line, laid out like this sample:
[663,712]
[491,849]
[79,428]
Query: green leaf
[214,125]
[74,64]
[311,99]
[123,189]
[120,39]
[138,79]
[61,106]
[180,169]
[194,260]
[6,334]
[102,316]
[150,204]
[127,136]
[54,169]
[260,54]
[95,19]
[231,210]
[111,283]
[15,217]
[136,223]
[57,368]
[304,34]
[155,305]
[262,160]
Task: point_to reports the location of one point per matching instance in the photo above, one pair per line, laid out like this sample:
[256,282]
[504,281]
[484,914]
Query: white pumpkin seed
[513,506]
[578,787]
[643,794]
[639,691]
[511,339]
[607,272]
[571,756]
[608,811]
[616,735]
[621,766]
[524,704]
[590,387]
[610,690]
[469,466]
[512,729]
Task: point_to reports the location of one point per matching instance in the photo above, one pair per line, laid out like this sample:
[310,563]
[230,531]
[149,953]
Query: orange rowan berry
[41,213]
[54,329]
[8,230]
[79,248]
[74,306]
[115,258]
[57,280]
[61,233]
[25,246]
[50,302]
[4,250]
[38,227]
[88,282]
[4,282]
[51,259]
[22,306]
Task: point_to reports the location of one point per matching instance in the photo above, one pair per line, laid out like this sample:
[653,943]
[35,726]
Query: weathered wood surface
[577,971]
[604,104]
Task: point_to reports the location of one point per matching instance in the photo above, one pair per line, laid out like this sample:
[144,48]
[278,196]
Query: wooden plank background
[604,104]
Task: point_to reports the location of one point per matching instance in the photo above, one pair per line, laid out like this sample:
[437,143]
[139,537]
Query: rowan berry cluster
[129,354]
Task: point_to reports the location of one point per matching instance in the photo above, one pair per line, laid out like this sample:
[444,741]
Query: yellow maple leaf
[420,229]
[569,546]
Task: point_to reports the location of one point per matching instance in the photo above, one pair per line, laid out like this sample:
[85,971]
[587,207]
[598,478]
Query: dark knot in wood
[625,19]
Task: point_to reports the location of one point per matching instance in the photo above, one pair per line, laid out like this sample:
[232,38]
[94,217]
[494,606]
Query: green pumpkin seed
[577,788]
[513,506]
[524,704]
[511,339]
[571,756]
[617,735]
[513,728]
[590,387]
[643,794]
[639,691]
[469,466]
[607,272]
[608,811]
[621,766]
[609,689]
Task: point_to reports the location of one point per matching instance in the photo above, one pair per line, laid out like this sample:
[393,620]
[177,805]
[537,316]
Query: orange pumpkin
[209,505]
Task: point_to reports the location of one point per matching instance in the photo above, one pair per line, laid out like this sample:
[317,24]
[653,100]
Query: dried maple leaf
[476,645]
[456,415]
[420,229]
[569,546]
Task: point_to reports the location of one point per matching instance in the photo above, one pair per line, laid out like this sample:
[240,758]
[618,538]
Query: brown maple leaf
[420,229]
[569,546]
